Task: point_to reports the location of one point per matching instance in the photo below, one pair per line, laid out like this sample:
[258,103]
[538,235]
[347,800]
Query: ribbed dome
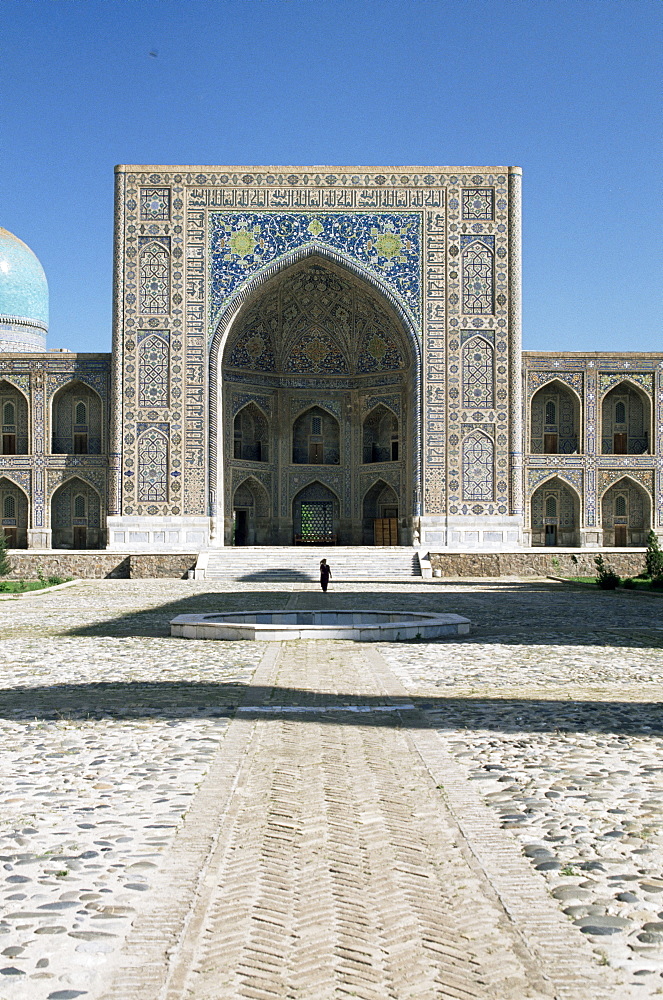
[23,296]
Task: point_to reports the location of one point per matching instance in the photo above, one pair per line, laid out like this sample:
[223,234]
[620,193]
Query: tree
[654,558]
[5,565]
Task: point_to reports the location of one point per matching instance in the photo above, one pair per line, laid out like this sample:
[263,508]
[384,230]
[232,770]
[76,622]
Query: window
[620,413]
[8,429]
[316,425]
[551,506]
[79,506]
[81,413]
[620,506]
[551,412]
[9,507]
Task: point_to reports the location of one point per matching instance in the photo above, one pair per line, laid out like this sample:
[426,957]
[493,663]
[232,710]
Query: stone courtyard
[472,818]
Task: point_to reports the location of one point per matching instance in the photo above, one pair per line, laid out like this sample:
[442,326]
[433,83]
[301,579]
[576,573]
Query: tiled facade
[53,470]
[335,344]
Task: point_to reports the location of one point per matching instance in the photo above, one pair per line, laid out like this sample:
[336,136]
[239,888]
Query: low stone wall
[546,562]
[95,565]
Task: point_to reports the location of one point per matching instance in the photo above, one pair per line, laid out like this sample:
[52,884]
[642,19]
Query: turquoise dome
[23,286]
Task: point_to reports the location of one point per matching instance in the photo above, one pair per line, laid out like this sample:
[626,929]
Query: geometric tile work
[478,203]
[153,368]
[407,230]
[41,378]
[590,467]
[478,378]
[388,245]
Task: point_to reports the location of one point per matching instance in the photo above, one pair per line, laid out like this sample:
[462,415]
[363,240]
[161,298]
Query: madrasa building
[322,355]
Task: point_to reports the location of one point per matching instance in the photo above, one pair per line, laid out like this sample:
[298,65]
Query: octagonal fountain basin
[358,626]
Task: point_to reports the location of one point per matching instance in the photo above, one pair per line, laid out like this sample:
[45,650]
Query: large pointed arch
[226,321]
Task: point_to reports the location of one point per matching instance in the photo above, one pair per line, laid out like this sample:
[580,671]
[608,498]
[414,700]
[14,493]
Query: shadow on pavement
[516,613]
[183,700]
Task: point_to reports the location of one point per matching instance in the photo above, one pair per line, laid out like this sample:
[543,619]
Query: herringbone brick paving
[343,855]
[339,871]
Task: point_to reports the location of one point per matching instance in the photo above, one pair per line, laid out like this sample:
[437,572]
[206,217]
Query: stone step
[272,563]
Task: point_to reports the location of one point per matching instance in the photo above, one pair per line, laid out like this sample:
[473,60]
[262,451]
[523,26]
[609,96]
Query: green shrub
[654,558]
[628,583]
[606,578]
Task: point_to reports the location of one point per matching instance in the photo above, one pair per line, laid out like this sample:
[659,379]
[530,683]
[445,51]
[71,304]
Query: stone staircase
[275,564]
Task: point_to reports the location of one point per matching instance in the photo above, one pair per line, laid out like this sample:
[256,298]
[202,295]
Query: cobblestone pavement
[112,734]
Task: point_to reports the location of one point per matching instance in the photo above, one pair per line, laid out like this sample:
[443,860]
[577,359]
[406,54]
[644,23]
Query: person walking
[325,574]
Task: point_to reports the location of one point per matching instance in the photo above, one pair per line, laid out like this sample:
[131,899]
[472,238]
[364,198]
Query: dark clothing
[325,574]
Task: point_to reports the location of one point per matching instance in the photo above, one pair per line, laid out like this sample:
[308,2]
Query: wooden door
[620,444]
[315,455]
[620,534]
[550,444]
[11,537]
[80,537]
[385,531]
[551,534]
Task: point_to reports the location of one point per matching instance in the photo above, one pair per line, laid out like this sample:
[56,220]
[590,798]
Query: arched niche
[15,420]
[316,515]
[380,435]
[251,435]
[625,514]
[478,458]
[625,420]
[380,515]
[554,424]
[251,510]
[14,511]
[317,344]
[555,514]
[316,438]
[76,516]
[77,420]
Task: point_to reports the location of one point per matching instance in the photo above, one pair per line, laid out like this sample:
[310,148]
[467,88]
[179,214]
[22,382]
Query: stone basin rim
[364,624]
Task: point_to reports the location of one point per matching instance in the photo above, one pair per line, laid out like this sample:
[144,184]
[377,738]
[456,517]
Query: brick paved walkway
[339,869]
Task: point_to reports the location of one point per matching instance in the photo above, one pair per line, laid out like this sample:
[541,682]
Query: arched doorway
[380,435]
[625,420]
[14,417]
[76,420]
[326,357]
[76,516]
[14,511]
[555,514]
[250,514]
[316,515]
[554,425]
[380,515]
[625,514]
[251,435]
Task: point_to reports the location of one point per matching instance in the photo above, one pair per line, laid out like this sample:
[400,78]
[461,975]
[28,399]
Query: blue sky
[569,91]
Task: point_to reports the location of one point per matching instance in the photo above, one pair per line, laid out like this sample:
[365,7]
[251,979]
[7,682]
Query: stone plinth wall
[548,562]
[98,565]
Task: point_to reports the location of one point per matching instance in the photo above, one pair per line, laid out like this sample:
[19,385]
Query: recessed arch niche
[318,347]
[76,516]
[625,513]
[555,514]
